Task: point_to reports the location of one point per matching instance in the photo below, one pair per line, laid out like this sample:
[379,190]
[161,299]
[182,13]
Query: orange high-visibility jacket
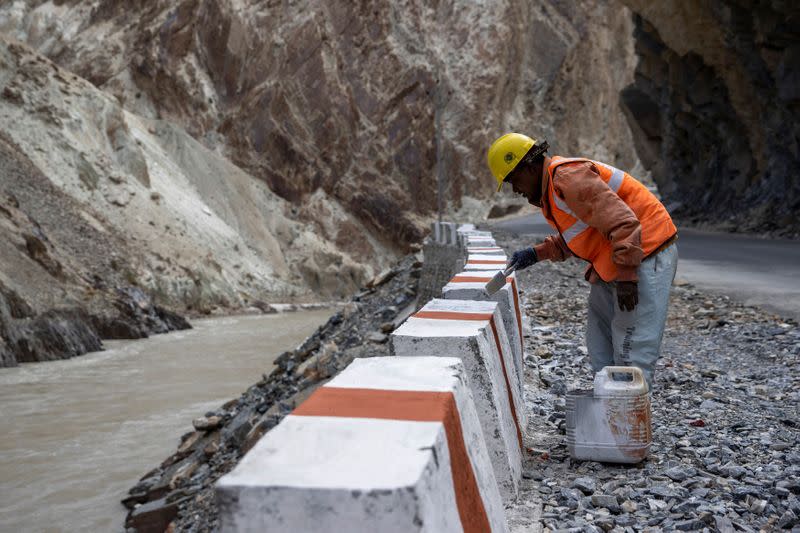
[585,241]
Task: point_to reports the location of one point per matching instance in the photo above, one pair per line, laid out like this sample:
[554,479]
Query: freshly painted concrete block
[392,444]
[484,243]
[487,262]
[474,331]
[470,285]
[485,250]
[464,235]
[465,232]
[479,239]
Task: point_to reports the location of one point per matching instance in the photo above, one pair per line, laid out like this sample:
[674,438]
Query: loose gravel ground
[726,445]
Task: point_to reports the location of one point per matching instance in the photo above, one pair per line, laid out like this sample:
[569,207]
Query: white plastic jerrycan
[612,422]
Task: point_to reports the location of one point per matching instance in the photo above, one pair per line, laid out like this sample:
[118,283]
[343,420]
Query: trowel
[497,282]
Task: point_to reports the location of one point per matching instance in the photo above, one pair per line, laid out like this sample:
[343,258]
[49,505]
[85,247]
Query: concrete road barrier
[479,241]
[469,285]
[474,332]
[391,444]
[466,228]
[484,250]
[445,233]
[486,262]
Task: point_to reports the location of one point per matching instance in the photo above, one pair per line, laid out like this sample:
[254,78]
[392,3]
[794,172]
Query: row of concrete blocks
[450,233]
[428,440]
[445,233]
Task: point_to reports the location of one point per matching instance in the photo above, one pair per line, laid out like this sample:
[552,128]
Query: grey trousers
[632,338]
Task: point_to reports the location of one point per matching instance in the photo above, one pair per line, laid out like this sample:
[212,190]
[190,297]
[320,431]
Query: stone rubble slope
[726,444]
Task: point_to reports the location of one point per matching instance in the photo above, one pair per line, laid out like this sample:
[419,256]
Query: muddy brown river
[76,434]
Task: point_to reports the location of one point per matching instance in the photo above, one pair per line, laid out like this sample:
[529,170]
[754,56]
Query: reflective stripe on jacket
[585,241]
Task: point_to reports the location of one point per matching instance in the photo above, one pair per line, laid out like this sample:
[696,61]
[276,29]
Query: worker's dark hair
[535,156]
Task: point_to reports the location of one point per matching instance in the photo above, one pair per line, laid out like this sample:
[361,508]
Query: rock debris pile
[180,490]
[726,445]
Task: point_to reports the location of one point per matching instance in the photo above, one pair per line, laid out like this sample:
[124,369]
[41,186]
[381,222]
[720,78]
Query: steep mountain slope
[64,277]
[349,103]
[103,211]
[209,232]
[243,151]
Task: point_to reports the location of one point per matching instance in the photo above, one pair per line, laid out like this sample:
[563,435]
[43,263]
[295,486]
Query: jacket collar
[545,198]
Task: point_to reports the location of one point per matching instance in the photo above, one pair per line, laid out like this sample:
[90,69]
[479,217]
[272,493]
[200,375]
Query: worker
[606,217]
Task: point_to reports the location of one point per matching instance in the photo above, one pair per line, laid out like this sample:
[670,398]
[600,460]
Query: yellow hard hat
[505,154]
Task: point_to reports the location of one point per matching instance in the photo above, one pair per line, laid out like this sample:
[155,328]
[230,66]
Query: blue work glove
[522,259]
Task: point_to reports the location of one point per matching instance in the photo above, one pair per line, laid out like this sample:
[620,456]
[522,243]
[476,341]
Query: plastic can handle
[604,380]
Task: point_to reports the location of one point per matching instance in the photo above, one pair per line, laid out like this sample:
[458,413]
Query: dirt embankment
[110,219]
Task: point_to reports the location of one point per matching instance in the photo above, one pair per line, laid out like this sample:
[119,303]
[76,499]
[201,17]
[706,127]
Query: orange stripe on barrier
[486,262]
[470,279]
[458,315]
[421,406]
[452,315]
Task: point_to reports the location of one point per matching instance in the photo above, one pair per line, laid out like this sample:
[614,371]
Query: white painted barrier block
[392,444]
[487,262]
[470,285]
[479,241]
[479,238]
[436,232]
[476,233]
[485,250]
[474,332]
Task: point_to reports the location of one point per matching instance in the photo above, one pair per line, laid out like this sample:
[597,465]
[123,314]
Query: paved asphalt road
[755,271]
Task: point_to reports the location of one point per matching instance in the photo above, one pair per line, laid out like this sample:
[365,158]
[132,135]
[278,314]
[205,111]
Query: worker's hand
[627,295]
[522,259]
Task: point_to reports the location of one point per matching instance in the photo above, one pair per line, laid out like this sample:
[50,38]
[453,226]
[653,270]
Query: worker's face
[525,182]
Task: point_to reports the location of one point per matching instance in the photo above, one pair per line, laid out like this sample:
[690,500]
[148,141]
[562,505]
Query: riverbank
[180,489]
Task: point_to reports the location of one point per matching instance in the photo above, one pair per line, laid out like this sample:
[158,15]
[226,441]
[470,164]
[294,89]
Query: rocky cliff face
[266,150]
[65,279]
[716,109]
[345,104]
